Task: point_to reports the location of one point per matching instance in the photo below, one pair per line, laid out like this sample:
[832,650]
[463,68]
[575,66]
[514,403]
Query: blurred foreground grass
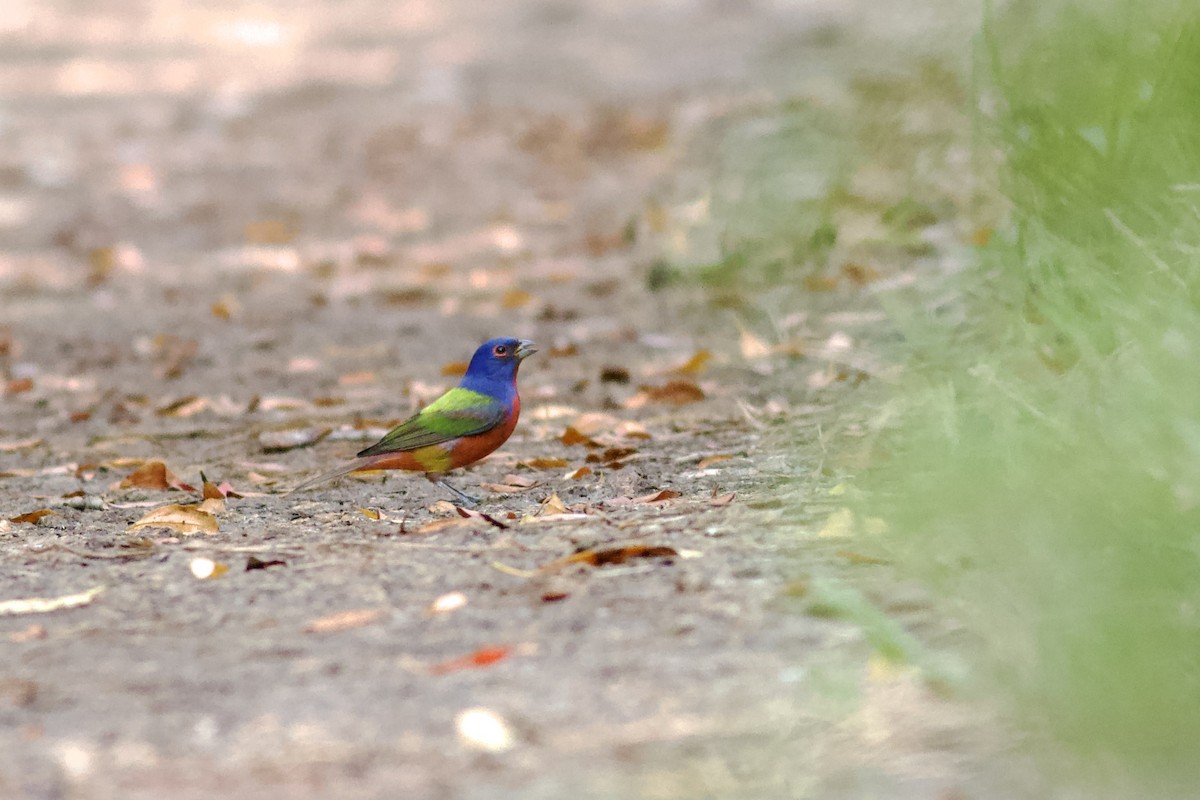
[1044,475]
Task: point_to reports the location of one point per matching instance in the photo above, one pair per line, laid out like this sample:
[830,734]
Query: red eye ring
[500,350]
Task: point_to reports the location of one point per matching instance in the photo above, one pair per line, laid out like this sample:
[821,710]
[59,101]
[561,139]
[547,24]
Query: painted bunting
[457,429]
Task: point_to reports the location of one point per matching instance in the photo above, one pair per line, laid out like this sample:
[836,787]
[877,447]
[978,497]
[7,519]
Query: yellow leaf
[206,568]
[840,523]
[553,505]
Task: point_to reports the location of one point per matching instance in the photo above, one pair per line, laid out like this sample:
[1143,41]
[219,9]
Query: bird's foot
[463,497]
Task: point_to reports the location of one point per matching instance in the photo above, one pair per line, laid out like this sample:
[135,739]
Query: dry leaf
[186,406]
[20,444]
[483,657]
[516,298]
[31,518]
[860,558]
[696,364]
[344,620]
[206,568]
[599,557]
[614,375]
[594,423]
[18,385]
[227,307]
[675,393]
[181,519]
[254,562]
[433,526]
[576,474]
[840,523]
[483,729]
[752,347]
[467,513]
[455,369]
[632,430]
[42,605]
[571,436]
[708,461]
[722,500]
[860,274]
[153,475]
[451,601]
[552,505]
[370,513]
[658,497]
[544,463]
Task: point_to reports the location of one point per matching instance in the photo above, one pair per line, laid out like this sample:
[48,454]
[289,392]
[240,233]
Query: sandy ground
[226,229]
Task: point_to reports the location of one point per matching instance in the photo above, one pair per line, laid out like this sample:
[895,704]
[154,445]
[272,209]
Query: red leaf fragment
[483,657]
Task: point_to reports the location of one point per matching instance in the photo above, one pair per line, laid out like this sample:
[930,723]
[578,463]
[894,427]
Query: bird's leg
[463,497]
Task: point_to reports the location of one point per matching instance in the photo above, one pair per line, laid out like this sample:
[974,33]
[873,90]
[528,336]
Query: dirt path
[223,227]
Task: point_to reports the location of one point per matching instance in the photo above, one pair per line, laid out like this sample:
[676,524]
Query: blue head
[493,368]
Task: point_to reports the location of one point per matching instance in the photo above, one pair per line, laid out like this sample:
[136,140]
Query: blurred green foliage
[1045,473]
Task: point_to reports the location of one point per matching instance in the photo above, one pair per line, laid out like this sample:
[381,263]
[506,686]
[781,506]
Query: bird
[457,429]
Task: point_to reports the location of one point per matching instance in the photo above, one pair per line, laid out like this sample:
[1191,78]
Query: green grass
[1045,475]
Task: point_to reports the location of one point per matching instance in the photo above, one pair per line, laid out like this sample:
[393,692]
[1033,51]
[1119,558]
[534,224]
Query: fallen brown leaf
[186,406]
[153,475]
[576,474]
[433,526]
[614,375]
[572,436]
[660,496]
[18,386]
[31,518]
[708,461]
[181,519]
[253,563]
[722,499]
[860,274]
[600,557]
[544,463]
[455,369]
[553,505]
[344,620]
[467,513]
[675,393]
[207,569]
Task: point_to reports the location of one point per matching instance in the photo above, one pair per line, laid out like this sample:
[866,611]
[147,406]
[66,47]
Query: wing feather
[459,412]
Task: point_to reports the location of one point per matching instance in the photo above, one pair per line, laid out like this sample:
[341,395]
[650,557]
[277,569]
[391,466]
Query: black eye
[501,350]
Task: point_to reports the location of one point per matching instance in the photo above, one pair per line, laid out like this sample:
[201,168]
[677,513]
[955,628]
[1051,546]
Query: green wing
[459,412]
